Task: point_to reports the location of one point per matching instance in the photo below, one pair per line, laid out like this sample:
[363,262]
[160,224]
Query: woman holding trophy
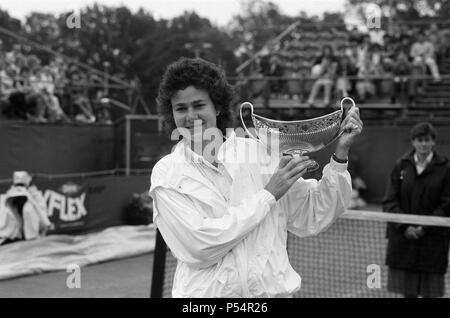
[226,219]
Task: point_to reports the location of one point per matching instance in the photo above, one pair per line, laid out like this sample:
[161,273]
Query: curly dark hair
[422,129]
[201,74]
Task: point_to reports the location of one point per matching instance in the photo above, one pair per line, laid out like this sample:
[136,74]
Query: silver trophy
[298,137]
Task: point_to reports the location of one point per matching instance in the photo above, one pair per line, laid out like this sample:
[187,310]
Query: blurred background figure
[324,69]
[102,108]
[23,211]
[345,69]
[359,186]
[422,53]
[401,69]
[438,40]
[417,256]
[81,106]
[365,86]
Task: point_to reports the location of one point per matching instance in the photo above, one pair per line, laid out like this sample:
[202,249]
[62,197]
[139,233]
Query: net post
[159,264]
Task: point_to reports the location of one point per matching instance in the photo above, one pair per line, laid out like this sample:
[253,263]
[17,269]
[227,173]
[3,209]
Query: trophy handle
[344,113]
[342,105]
[242,119]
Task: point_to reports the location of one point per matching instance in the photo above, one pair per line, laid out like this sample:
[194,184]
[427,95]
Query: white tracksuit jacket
[235,246]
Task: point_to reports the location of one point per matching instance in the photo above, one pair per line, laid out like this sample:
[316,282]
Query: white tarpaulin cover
[57,252]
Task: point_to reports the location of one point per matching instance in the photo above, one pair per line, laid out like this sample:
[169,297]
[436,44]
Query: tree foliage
[169,43]
[126,44]
[258,23]
[11,24]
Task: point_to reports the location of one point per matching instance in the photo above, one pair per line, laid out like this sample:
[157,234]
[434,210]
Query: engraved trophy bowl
[298,137]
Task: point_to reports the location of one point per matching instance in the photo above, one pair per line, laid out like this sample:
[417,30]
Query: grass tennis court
[332,264]
[124,278]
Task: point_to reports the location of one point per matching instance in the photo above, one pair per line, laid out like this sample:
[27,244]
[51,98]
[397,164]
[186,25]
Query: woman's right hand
[413,232]
[290,169]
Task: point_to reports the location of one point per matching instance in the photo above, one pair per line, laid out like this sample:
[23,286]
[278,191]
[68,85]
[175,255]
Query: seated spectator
[417,81]
[390,47]
[276,70]
[351,50]
[6,88]
[422,53]
[83,113]
[345,69]
[57,69]
[264,64]
[388,57]
[102,108]
[377,60]
[376,56]
[408,32]
[16,57]
[324,68]
[363,51]
[54,112]
[377,36]
[24,102]
[263,67]
[6,81]
[82,107]
[29,86]
[23,211]
[401,71]
[355,35]
[445,45]
[2,52]
[404,44]
[437,38]
[392,38]
[341,51]
[365,86]
[270,66]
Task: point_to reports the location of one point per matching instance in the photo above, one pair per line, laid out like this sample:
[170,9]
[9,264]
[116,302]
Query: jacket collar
[188,159]
[437,160]
[226,155]
[426,162]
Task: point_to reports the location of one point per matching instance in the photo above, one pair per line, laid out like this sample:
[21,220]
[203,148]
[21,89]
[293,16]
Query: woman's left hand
[352,126]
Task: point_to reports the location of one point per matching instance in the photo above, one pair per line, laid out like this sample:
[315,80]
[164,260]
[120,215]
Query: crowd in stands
[393,63]
[55,92]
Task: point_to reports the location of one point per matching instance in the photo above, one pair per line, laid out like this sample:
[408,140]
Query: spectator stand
[378,71]
[62,89]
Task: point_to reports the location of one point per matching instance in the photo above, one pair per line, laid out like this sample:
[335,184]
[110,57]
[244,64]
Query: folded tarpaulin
[59,252]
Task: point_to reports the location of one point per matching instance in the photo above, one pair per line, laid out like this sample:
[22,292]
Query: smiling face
[423,145]
[193,105]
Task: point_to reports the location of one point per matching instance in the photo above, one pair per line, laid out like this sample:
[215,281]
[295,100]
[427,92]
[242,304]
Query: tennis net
[345,261]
